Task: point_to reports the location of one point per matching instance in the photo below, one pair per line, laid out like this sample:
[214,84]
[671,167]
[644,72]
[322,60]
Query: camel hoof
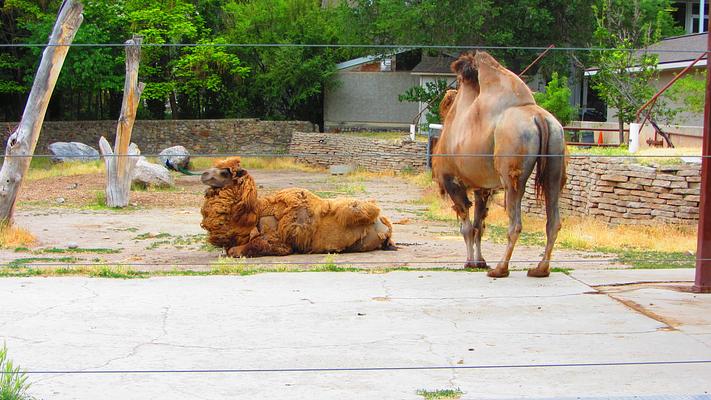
[498,273]
[539,272]
[475,264]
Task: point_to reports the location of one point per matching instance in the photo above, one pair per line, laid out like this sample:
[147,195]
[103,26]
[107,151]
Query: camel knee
[515,231]
[466,229]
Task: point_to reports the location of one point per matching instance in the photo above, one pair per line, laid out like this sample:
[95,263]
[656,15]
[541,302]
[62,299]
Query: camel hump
[446,104]
[350,212]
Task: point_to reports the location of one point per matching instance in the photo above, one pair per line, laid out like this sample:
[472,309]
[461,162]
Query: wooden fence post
[22,142]
[122,160]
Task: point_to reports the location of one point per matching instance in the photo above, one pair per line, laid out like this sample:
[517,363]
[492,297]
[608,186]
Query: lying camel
[288,221]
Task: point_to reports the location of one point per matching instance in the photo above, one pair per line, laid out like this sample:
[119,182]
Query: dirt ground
[161,230]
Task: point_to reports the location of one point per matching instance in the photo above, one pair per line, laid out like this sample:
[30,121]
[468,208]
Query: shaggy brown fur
[288,221]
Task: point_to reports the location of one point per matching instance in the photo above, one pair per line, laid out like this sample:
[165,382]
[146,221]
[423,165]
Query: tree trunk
[621,125]
[21,144]
[120,164]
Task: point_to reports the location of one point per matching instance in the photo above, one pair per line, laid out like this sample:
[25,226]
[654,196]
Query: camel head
[225,173]
[466,68]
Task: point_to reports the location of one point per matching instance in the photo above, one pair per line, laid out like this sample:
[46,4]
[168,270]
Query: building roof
[675,52]
[368,59]
[434,66]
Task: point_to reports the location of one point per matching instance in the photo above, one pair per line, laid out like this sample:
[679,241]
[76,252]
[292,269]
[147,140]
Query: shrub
[13,382]
[556,99]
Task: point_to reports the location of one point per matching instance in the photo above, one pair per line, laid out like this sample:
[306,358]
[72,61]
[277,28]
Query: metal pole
[702,283]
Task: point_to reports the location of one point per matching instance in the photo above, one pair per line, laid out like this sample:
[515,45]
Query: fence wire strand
[364,369]
[342,154]
[356,46]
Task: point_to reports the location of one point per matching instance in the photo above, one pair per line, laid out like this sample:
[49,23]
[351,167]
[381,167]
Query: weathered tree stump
[22,142]
[121,161]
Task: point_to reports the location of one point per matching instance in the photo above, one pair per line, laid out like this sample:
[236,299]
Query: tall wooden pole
[121,161]
[21,144]
[702,284]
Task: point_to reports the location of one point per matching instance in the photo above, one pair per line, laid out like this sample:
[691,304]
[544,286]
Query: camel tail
[544,132]
[541,174]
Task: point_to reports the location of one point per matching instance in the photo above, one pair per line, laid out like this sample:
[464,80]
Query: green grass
[13,382]
[654,156]
[56,250]
[645,259]
[443,394]
[144,236]
[20,262]
[137,187]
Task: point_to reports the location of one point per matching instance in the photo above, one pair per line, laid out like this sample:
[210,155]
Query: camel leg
[481,208]
[551,191]
[513,209]
[462,204]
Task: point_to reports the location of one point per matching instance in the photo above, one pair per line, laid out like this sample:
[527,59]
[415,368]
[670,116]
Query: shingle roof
[695,43]
[434,65]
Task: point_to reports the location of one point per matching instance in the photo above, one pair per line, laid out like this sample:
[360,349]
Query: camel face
[221,177]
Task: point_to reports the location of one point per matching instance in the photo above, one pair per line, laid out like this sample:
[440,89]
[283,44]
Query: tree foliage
[280,82]
[431,95]
[556,99]
[624,75]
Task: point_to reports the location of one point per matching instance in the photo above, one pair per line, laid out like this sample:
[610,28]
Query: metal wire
[340,154]
[361,369]
[243,262]
[351,46]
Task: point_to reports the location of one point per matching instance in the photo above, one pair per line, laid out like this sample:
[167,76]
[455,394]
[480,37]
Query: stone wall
[623,193]
[198,136]
[326,149]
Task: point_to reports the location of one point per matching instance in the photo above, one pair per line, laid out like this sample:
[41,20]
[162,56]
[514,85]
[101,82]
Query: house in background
[688,14]
[684,50]
[366,93]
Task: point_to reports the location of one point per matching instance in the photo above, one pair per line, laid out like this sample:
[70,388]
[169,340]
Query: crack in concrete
[35,314]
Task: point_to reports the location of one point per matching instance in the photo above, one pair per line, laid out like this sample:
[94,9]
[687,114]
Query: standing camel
[494,134]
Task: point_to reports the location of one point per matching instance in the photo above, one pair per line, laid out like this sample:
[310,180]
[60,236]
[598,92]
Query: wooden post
[120,165]
[21,144]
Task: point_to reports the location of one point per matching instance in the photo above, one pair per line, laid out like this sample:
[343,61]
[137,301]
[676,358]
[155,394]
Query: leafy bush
[13,382]
[556,99]
[432,93]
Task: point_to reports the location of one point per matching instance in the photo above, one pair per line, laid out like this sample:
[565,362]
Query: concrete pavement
[352,320]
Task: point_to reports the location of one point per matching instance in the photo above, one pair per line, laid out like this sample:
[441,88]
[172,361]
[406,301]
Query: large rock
[149,174]
[72,151]
[175,157]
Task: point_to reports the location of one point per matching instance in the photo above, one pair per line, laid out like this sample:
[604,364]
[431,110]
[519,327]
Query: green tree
[624,75]
[431,94]
[283,82]
[206,77]
[691,91]
[556,99]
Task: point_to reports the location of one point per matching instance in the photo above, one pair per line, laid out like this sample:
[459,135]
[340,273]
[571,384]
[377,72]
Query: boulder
[149,174]
[72,151]
[175,157]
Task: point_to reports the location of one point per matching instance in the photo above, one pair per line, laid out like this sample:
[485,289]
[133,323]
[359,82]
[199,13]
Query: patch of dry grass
[43,169]
[580,233]
[13,236]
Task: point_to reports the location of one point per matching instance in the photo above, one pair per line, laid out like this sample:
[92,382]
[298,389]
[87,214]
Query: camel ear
[239,173]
